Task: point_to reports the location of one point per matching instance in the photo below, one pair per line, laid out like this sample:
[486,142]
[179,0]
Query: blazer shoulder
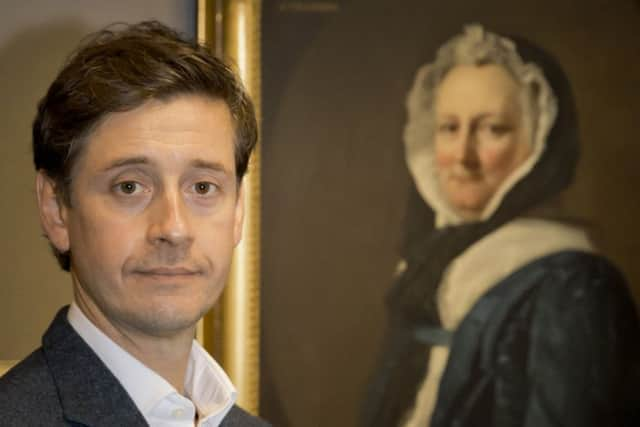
[238,417]
[27,391]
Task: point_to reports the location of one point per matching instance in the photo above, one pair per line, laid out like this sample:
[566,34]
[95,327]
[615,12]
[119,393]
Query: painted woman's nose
[467,154]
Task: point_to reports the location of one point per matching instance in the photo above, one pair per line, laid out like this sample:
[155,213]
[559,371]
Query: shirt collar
[206,384]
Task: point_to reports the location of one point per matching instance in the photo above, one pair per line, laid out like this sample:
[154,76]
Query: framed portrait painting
[335,182]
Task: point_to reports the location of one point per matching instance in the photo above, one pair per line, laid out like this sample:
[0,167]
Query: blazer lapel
[89,393]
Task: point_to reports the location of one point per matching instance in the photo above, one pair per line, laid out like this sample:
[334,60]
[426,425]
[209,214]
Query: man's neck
[167,355]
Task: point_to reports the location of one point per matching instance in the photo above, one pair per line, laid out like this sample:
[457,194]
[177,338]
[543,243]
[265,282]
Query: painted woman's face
[480,135]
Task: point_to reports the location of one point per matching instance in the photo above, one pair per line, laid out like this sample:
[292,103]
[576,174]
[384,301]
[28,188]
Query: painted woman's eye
[447,127]
[499,130]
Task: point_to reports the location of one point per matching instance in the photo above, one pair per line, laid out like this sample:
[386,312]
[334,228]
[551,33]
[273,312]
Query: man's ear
[238,220]
[53,212]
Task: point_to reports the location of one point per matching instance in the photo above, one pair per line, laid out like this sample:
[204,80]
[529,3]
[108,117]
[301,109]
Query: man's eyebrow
[214,166]
[127,161]
[143,160]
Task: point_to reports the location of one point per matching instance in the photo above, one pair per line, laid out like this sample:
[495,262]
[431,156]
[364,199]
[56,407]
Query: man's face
[155,214]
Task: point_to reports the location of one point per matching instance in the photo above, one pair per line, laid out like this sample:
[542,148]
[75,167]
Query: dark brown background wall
[335,76]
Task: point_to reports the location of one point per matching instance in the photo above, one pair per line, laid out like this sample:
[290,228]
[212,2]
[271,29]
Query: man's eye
[204,187]
[128,187]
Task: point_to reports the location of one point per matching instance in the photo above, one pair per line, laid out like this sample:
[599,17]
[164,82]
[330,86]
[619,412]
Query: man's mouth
[168,271]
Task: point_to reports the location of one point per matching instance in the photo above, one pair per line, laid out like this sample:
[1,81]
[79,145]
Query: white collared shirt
[207,387]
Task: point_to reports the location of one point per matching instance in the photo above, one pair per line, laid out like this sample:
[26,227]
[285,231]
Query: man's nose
[169,220]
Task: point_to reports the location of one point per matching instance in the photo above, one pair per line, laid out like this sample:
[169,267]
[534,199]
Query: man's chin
[165,322]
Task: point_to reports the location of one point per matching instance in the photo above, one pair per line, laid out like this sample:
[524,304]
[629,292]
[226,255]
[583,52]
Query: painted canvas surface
[336,187]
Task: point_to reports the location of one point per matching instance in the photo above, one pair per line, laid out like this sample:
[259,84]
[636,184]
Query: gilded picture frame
[231,331]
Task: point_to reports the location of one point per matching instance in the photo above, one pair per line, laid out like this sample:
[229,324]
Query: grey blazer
[64,383]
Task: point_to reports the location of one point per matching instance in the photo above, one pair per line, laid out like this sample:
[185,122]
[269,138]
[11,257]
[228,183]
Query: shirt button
[178,413]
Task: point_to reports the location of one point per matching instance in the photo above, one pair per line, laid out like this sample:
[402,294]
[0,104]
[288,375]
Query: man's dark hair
[119,69]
